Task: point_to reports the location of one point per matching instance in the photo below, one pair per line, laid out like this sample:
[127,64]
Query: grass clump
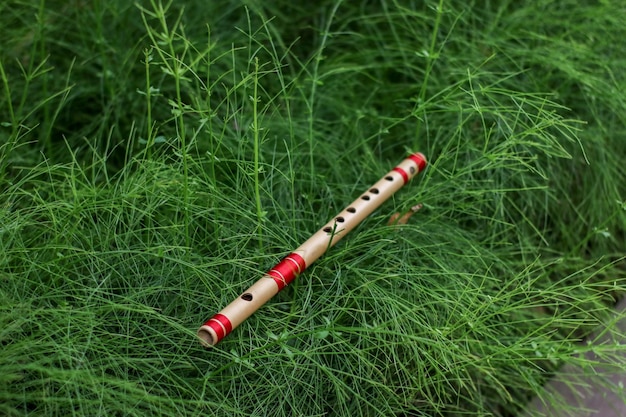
[155,160]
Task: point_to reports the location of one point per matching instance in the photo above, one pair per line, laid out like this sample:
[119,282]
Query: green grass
[155,161]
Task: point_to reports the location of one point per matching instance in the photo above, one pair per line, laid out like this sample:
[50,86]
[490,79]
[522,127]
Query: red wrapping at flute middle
[287,270]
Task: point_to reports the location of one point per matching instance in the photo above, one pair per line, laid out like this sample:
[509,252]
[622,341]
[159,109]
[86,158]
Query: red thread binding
[420,160]
[287,270]
[221,325]
[402,172]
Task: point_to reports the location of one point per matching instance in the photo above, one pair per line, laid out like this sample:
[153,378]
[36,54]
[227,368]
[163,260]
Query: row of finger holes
[339,219]
[373,191]
[328,229]
[352,210]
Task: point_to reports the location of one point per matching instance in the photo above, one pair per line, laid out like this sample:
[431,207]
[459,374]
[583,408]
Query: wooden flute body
[221,324]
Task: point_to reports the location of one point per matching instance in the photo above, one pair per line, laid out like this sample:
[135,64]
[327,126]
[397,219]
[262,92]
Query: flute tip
[207,336]
[420,159]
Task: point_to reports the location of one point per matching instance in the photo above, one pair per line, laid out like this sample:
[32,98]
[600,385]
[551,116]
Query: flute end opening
[206,336]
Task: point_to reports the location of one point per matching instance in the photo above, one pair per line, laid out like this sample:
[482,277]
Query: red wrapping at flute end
[221,324]
[214,329]
[420,160]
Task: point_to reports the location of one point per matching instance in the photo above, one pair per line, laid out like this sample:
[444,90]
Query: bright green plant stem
[431,56]
[256,131]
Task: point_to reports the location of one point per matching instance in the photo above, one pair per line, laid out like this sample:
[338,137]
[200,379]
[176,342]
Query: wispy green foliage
[156,159]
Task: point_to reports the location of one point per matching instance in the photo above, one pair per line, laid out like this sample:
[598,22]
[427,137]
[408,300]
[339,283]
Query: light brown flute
[221,324]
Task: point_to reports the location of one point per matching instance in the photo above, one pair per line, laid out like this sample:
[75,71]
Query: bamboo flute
[277,278]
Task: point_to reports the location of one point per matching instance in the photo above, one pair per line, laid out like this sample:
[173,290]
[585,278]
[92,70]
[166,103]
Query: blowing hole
[389,178]
[247,297]
[412,169]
